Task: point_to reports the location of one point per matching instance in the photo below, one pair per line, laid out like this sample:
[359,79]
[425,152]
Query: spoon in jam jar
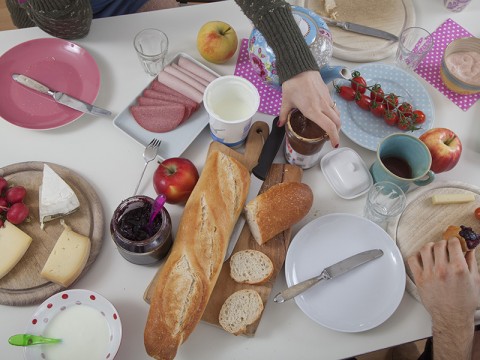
[156,208]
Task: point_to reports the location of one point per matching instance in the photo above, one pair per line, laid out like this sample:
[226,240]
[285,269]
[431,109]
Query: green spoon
[27,339]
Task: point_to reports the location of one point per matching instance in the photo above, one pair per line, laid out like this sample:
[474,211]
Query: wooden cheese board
[23,285]
[422,222]
[275,249]
[388,15]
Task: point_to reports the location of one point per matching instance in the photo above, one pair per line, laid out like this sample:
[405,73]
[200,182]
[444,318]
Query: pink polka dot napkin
[270,98]
[429,68]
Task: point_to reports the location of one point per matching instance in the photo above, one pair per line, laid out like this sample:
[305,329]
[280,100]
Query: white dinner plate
[360,299]
[367,130]
[174,142]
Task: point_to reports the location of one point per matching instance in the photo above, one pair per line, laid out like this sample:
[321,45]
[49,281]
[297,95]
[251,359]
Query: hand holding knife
[61,97]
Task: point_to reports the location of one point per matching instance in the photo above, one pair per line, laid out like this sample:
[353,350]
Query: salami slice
[171,98]
[158,119]
[147,101]
[196,69]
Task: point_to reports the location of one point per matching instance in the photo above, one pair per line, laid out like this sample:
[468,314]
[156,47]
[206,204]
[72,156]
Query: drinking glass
[151,46]
[385,200]
[413,45]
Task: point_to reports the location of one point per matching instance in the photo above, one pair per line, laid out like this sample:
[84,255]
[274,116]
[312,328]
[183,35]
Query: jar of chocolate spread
[304,140]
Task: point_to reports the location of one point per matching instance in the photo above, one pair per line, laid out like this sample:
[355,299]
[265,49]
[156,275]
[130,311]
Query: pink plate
[60,65]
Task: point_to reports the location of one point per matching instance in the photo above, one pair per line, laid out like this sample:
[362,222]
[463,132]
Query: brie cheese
[57,198]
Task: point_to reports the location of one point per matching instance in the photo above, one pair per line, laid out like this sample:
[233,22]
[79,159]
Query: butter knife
[328,273]
[61,97]
[361,29]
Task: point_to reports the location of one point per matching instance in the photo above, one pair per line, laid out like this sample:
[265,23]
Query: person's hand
[308,93]
[447,281]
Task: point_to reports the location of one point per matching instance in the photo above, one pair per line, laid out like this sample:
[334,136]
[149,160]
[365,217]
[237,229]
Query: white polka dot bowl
[87,323]
[460,66]
[315,32]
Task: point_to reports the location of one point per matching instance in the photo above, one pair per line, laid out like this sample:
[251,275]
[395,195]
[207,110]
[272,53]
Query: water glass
[413,45]
[151,46]
[385,200]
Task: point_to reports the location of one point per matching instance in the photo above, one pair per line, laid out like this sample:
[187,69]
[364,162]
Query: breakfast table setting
[107,158]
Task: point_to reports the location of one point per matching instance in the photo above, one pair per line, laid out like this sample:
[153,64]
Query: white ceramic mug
[231,101]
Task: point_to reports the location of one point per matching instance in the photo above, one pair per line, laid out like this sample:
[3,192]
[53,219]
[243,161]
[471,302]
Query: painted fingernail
[336,146]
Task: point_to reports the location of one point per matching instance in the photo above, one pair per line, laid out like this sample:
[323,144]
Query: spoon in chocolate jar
[156,208]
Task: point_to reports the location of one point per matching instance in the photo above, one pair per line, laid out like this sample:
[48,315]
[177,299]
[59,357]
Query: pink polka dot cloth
[429,68]
[270,98]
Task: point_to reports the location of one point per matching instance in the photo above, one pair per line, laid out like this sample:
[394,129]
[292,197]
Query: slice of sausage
[180,86]
[171,98]
[188,79]
[192,75]
[196,69]
[146,101]
[158,119]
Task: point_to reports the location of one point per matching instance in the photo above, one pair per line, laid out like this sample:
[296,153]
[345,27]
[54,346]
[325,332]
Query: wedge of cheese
[13,245]
[68,258]
[56,197]
[441,199]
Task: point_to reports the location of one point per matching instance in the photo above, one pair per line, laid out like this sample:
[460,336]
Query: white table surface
[112,162]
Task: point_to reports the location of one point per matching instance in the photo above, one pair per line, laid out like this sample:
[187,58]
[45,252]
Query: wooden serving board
[388,15]
[23,285]
[422,222]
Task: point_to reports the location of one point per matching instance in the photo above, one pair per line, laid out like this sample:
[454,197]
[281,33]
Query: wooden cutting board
[276,248]
[422,222]
[23,285]
[388,15]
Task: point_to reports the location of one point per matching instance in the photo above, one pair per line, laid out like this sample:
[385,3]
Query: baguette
[186,281]
[277,209]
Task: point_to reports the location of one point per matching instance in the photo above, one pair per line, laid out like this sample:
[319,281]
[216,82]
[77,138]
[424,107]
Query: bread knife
[361,29]
[328,273]
[61,97]
[259,173]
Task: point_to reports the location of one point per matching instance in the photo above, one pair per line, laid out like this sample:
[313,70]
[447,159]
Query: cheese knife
[61,97]
[361,29]
[259,173]
[329,273]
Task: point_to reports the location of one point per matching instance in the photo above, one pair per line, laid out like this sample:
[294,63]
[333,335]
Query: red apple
[175,178]
[217,41]
[445,148]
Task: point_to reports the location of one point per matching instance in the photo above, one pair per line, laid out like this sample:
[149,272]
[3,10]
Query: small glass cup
[152,47]
[413,45]
[146,250]
[385,200]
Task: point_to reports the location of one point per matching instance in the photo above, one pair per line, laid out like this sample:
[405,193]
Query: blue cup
[403,160]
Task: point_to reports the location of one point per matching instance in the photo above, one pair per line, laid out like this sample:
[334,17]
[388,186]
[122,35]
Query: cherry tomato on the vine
[406,109]
[391,101]
[363,101]
[346,92]
[418,117]
[376,93]
[377,109]
[358,83]
[406,123]
[391,117]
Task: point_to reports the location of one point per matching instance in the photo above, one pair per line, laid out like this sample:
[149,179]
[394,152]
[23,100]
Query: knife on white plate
[259,173]
[361,29]
[328,273]
[61,97]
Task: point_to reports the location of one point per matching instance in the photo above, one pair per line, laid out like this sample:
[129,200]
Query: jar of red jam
[135,241]
[303,141]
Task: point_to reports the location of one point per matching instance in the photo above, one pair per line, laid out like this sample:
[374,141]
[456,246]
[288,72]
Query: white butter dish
[346,173]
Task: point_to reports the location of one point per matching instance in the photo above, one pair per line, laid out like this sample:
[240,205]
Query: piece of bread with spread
[469,239]
[186,281]
[277,209]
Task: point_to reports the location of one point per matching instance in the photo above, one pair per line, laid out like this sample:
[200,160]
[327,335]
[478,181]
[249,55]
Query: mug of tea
[404,160]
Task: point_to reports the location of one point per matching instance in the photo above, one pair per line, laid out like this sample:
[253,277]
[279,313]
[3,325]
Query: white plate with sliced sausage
[170,108]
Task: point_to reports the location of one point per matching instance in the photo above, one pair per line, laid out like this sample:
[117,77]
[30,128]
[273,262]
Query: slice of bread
[250,267]
[241,309]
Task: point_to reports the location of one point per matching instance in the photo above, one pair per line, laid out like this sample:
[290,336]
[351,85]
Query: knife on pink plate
[61,97]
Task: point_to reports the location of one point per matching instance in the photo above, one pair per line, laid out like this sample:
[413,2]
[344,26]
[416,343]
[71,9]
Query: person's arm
[449,286]
[302,85]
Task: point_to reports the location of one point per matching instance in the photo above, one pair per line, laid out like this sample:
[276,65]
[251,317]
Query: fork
[149,154]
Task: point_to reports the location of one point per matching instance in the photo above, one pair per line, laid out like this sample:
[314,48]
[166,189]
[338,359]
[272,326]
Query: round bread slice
[250,267]
[241,309]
